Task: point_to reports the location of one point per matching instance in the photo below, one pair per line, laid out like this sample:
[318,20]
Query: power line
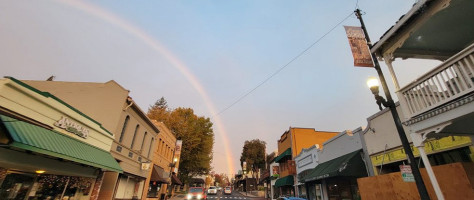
[286,65]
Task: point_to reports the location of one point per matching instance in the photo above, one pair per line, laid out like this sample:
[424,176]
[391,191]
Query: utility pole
[391,105]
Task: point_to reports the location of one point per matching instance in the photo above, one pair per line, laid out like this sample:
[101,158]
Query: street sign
[407,175]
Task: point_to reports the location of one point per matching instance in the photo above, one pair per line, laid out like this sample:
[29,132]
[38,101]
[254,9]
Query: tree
[195,132]
[221,179]
[159,111]
[253,153]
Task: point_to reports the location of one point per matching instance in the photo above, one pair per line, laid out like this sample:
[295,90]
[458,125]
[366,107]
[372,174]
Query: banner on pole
[359,48]
[179,145]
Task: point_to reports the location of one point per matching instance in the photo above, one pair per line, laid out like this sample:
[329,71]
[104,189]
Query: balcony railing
[289,169]
[450,80]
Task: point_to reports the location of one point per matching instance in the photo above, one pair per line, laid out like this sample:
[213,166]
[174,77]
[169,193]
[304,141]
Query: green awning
[287,180]
[284,154]
[40,140]
[347,165]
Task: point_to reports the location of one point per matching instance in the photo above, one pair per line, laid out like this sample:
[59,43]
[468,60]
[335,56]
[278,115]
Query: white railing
[450,80]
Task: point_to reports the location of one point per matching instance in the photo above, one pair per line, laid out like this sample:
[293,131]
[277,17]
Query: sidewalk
[249,194]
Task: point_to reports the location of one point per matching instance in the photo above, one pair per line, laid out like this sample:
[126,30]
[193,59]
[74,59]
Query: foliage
[195,132]
[221,179]
[253,153]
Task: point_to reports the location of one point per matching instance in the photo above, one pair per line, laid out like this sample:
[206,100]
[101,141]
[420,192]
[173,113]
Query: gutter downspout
[131,103]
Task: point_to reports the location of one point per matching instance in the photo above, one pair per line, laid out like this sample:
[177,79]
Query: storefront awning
[175,180]
[347,165]
[48,142]
[287,180]
[283,155]
[157,175]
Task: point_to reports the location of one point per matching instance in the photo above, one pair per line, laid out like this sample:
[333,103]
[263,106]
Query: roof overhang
[432,29]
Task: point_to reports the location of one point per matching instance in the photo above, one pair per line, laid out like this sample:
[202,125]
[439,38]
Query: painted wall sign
[305,161]
[72,127]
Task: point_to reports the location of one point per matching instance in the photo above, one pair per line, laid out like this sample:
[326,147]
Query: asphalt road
[220,196]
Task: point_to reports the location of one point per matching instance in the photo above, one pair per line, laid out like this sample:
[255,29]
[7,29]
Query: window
[124,127]
[151,145]
[143,141]
[134,135]
[162,147]
[159,145]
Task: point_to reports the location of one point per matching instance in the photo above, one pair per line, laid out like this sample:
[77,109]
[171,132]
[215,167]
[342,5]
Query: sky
[206,54]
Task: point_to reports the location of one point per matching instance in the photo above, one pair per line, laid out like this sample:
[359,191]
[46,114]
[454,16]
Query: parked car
[196,193]
[212,190]
[228,190]
[219,189]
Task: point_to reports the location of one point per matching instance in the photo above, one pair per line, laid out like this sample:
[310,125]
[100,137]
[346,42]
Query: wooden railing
[450,80]
[289,169]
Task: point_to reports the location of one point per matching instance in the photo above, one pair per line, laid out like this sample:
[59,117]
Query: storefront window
[318,192]
[16,186]
[19,185]
[302,191]
[153,189]
[342,188]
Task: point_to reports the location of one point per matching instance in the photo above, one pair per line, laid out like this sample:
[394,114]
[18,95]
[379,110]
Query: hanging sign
[407,174]
[146,165]
[359,48]
[72,127]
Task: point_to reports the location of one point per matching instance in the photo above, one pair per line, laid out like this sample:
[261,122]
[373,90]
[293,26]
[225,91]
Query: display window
[16,186]
[153,189]
[342,188]
[44,186]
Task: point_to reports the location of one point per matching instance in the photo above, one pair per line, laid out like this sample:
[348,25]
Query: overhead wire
[286,65]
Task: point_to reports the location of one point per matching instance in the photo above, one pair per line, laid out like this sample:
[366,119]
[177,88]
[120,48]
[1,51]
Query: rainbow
[178,64]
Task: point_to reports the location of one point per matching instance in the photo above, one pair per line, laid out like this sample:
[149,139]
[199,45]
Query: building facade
[440,102]
[49,149]
[165,163]
[386,152]
[290,145]
[135,134]
[341,161]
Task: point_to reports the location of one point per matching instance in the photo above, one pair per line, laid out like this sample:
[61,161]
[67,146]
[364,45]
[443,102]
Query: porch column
[388,58]
[419,143]
[388,61]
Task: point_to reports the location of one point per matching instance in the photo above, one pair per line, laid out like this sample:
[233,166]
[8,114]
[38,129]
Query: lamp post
[176,154]
[389,103]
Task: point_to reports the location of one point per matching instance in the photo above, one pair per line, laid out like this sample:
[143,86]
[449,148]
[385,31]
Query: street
[234,196]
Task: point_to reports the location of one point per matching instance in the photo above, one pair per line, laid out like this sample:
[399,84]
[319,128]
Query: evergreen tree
[195,132]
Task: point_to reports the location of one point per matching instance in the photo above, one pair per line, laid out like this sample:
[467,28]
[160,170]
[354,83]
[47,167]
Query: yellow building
[165,163]
[290,145]
[48,148]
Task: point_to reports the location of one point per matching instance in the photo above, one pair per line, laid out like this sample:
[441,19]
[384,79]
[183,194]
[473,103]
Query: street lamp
[373,84]
[389,103]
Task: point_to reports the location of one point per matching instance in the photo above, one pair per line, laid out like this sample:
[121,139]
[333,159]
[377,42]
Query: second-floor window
[143,141]
[151,146]
[124,128]
[134,135]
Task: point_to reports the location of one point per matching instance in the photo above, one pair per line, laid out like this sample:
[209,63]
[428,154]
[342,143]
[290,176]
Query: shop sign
[431,147]
[407,174]
[72,127]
